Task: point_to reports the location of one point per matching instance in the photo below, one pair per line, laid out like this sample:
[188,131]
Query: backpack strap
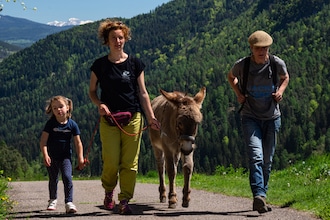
[245,79]
[246,67]
[273,69]
[245,73]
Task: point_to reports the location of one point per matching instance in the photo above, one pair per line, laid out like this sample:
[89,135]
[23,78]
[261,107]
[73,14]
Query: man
[266,78]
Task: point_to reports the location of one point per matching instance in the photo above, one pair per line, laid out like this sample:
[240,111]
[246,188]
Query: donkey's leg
[188,166]
[171,168]
[159,156]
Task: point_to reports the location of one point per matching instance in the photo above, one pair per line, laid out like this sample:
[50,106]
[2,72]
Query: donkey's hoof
[162,199]
[185,204]
[172,200]
[171,205]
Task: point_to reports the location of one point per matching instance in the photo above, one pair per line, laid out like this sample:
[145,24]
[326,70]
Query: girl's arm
[79,151]
[43,148]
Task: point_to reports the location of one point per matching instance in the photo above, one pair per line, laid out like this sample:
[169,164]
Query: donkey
[179,115]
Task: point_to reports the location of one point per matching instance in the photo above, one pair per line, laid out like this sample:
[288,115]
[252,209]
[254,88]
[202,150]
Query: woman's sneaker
[124,209]
[108,202]
[70,207]
[52,204]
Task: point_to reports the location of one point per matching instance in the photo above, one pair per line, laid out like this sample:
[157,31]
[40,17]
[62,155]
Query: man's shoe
[259,205]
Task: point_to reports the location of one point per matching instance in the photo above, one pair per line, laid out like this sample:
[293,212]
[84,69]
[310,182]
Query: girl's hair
[108,25]
[68,102]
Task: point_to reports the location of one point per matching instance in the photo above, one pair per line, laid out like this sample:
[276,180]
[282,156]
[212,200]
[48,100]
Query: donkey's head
[188,116]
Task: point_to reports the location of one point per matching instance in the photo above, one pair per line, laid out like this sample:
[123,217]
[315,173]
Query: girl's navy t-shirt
[59,140]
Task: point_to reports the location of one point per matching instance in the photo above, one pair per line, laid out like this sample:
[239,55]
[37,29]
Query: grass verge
[5,203]
[303,186]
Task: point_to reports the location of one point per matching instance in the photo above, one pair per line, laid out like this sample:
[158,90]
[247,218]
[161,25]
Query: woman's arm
[93,85]
[146,105]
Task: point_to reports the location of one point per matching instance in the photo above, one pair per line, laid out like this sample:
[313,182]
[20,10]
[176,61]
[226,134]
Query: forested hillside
[185,44]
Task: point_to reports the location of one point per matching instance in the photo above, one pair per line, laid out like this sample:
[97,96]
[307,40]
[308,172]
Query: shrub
[5,203]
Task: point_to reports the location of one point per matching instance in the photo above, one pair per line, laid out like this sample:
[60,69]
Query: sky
[85,10]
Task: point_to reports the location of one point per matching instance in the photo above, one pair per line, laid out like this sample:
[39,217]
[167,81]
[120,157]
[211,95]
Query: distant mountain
[23,32]
[9,46]
[70,22]
[7,49]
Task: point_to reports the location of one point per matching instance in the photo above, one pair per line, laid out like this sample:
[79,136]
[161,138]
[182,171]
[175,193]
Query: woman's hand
[103,109]
[155,124]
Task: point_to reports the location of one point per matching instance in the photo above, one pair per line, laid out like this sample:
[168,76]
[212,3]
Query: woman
[121,80]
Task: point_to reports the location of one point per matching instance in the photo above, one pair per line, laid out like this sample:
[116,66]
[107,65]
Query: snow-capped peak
[70,22]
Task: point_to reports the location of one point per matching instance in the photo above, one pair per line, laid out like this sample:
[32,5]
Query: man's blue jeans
[260,137]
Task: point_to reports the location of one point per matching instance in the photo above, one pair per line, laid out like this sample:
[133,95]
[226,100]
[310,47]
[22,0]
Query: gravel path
[31,201]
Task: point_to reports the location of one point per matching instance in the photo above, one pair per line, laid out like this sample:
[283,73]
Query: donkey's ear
[200,96]
[171,96]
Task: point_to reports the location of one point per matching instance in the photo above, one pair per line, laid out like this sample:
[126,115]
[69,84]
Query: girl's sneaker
[52,204]
[70,207]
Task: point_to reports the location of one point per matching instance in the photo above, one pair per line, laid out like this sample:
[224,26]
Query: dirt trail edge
[31,202]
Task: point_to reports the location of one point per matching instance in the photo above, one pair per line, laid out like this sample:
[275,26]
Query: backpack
[246,71]
[246,74]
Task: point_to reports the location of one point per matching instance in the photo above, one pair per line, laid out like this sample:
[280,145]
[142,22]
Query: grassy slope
[303,186]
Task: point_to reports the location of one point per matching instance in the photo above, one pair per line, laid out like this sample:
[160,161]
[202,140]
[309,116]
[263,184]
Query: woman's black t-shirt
[118,83]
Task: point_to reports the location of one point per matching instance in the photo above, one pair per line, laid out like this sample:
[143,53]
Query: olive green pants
[120,153]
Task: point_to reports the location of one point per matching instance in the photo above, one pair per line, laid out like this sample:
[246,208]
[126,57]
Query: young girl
[55,145]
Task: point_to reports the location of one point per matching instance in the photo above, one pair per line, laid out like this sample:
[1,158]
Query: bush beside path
[30,202]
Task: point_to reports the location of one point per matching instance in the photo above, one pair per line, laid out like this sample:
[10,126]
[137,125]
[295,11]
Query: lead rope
[86,161]
[125,132]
